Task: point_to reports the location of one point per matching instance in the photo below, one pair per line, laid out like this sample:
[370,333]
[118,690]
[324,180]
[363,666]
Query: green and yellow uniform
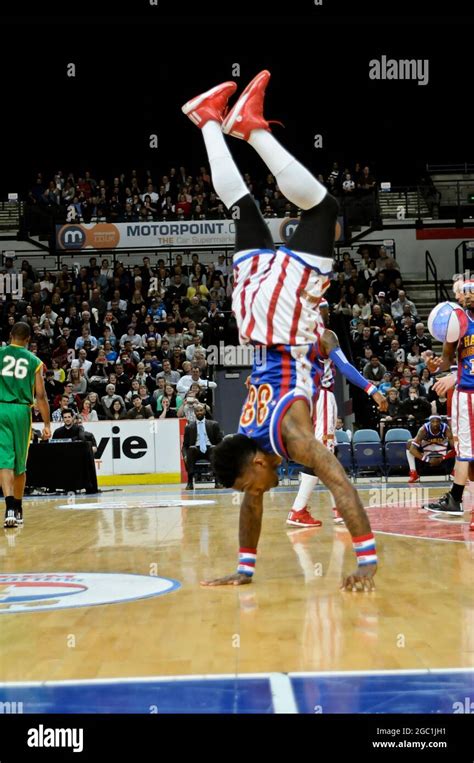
[18,367]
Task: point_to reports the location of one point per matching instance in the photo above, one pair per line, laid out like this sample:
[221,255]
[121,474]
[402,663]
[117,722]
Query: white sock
[226,178]
[295,182]
[307,485]
[411,461]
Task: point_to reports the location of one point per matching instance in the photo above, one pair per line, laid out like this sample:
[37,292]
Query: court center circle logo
[37,592]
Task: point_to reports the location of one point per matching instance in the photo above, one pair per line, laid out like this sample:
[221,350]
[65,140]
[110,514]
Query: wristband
[247,559]
[364,547]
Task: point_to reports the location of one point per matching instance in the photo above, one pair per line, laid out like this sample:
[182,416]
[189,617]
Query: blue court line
[404,691]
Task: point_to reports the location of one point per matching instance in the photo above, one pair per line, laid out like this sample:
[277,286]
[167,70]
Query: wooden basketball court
[292,619]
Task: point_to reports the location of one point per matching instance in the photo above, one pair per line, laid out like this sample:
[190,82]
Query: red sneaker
[210,105]
[414,477]
[302,519]
[247,114]
[338,520]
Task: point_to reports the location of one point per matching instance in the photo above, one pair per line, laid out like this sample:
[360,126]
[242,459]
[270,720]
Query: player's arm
[302,447]
[330,346]
[42,402]
[415,445]
[250,525]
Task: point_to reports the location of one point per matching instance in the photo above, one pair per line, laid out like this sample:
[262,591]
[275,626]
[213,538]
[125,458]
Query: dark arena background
[116,248]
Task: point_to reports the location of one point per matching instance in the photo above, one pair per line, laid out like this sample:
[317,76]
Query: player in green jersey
[21,381]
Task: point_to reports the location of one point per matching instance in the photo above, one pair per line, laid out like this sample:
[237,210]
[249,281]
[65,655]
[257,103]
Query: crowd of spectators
[125,343]
[139,197]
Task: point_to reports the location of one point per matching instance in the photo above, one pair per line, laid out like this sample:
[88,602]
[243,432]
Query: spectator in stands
[159,390]
[197,289]
[439,403]
[116,411]
[199,441]
[192,398]
[424,340]
[415,408]
[386,383]
[171,335]
[196,311]
[123,381]
[392,412]
[426,382]
[185,382]
[191,348]
[366,183]
[109,398]
[366,340]
[394,355]
[377,319]
[170,376]
[58,372]
[82,363]
[78,382]
[415,382]
[139,411]
[175,401]
[52,386]
[374,370]
[86,336]
[191,333]
[343,307]
[131,393]
[361,309]
[132,337]
[74,401]
[406,334]
[87,413]
[164,352]
[399,304]
[414,355]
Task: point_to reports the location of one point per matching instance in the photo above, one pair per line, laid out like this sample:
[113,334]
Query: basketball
[447,322]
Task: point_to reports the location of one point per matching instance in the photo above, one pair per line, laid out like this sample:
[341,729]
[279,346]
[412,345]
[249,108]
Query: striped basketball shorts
[276,294]
[462,424]
[325,418]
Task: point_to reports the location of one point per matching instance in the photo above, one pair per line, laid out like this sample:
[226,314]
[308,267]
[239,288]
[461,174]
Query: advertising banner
[191,233]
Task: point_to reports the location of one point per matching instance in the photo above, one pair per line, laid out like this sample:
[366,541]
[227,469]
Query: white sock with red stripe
[295,182]
[411,461]
[307,485]
[226,178]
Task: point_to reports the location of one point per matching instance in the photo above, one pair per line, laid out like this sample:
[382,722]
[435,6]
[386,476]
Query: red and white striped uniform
[325,411]
[462,424]
[270,295]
